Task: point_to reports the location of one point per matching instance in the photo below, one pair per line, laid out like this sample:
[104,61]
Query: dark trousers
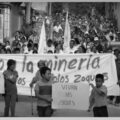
[10,102]
[100,111]
[44,111]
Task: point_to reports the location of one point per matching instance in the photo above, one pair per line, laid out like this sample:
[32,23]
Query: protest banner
[66,69]
[70,96]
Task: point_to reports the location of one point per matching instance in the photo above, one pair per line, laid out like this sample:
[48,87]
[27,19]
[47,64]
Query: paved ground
[23,109]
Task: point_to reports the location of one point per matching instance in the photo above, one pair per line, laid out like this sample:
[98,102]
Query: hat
[41,63]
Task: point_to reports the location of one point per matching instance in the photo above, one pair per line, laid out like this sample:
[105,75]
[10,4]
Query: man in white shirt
[72,47]
[57,27]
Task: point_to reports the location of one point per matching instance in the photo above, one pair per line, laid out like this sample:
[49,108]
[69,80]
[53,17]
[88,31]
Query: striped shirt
[44,89]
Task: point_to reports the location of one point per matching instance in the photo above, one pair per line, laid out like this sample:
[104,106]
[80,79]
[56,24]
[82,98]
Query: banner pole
[31,102]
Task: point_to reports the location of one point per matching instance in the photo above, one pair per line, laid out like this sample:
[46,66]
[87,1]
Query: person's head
[49,43]
[35,51]
[99,80]
[16,50]
[21,34]
[80,49]
[11,64]
[29,46]
[111,37]
[16,37]
[72,43]
[23,46]
[17,33]
[34,33]
[7,43]
[77,41]
[30,41]
[41,64]
[45,73]
[88,39]
[23,40]
[58,47]
[35,47]
[50,52]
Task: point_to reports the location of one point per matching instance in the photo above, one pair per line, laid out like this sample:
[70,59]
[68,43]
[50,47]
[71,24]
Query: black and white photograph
[59,59]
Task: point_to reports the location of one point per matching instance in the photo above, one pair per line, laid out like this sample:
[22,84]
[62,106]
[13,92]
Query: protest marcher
[117,101]
[72,47]
[10,76]
[50,46]
[37,77]
[3,50]
[57,27]
[16,51]
[43,92]
[113,99]
[58,49]
[34,37]
[98,97]
[30,48]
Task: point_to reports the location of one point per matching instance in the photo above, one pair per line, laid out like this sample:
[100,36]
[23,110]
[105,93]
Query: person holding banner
[37,77]
[10,77]
[98,97]
[43,92]
[117,61]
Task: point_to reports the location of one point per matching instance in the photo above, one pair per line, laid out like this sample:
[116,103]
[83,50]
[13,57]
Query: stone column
[28,12]
[50,8]
[107,7]
[117,14]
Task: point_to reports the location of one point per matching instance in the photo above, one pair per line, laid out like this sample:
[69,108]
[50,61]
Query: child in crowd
[43,92]
[98,97]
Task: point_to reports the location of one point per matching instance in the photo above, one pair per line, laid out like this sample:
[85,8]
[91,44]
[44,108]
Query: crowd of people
[89,34]
[20,44]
